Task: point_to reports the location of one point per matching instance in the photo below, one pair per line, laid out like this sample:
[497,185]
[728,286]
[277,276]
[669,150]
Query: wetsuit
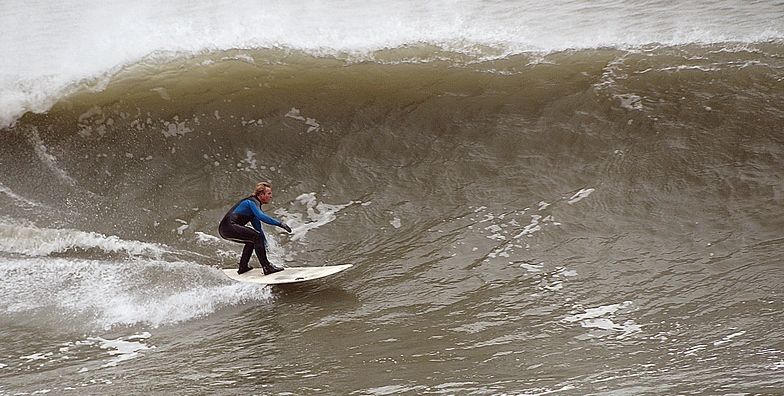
[233,227]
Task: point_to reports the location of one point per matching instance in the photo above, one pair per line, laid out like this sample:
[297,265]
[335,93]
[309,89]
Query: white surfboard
[289,275]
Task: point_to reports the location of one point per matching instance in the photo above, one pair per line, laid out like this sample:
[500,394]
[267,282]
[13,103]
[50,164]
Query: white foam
[396,222]
[313,126]
[728,338]
[33,241]
[294,113]
[19,199]
[630,101]
[580,195]
[206,238]
[601,318]
[175,128]
[532,267]
[249,163]
[592,313]
[500,232]
[318,214]
[123,349]
[531,228]
[119,350]
[776,365]
[48,159]
[101,294]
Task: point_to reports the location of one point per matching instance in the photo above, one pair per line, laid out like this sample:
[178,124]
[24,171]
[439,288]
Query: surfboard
[289,275]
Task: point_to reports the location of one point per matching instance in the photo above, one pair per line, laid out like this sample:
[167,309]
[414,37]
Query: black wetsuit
[233,227]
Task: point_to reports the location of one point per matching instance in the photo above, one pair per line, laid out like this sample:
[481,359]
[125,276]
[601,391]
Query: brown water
[586,222]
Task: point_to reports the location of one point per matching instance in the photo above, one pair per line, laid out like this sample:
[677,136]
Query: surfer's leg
[244,235]
[261,253]
[253,240]
[247,251]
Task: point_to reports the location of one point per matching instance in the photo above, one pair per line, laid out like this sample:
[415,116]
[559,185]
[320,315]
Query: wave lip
[51,51]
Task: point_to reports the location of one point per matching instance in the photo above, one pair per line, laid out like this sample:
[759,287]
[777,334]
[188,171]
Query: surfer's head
[263,192]
[260,187]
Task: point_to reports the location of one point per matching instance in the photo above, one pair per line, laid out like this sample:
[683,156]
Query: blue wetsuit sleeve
[256,224]
[263,216]
[247,207]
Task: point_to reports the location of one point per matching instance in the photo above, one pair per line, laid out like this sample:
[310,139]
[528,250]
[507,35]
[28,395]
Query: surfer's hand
[285,227]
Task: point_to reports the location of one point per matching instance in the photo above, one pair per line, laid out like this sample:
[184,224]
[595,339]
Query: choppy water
[573,199]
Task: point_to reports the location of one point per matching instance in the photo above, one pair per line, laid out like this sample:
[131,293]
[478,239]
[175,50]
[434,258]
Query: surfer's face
[265,196]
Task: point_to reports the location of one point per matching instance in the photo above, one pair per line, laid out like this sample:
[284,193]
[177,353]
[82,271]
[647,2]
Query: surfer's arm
[247,206]
[262,216]
[256,225]
[269,220]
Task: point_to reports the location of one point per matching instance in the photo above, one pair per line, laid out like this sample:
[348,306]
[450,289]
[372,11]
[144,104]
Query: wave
[153,71]
[87,295]
[57,51]
[383,159]
[32,241]
[92,281]
[221,121]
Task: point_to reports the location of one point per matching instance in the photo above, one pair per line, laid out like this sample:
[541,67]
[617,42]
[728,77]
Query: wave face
[571,198]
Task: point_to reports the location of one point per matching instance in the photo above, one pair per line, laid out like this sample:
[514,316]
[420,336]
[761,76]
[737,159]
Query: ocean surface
[538,197]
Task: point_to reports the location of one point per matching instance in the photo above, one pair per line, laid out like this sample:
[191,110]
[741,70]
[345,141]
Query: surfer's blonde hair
[260,188]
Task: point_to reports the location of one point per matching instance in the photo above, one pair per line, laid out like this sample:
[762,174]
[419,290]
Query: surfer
[233,227]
